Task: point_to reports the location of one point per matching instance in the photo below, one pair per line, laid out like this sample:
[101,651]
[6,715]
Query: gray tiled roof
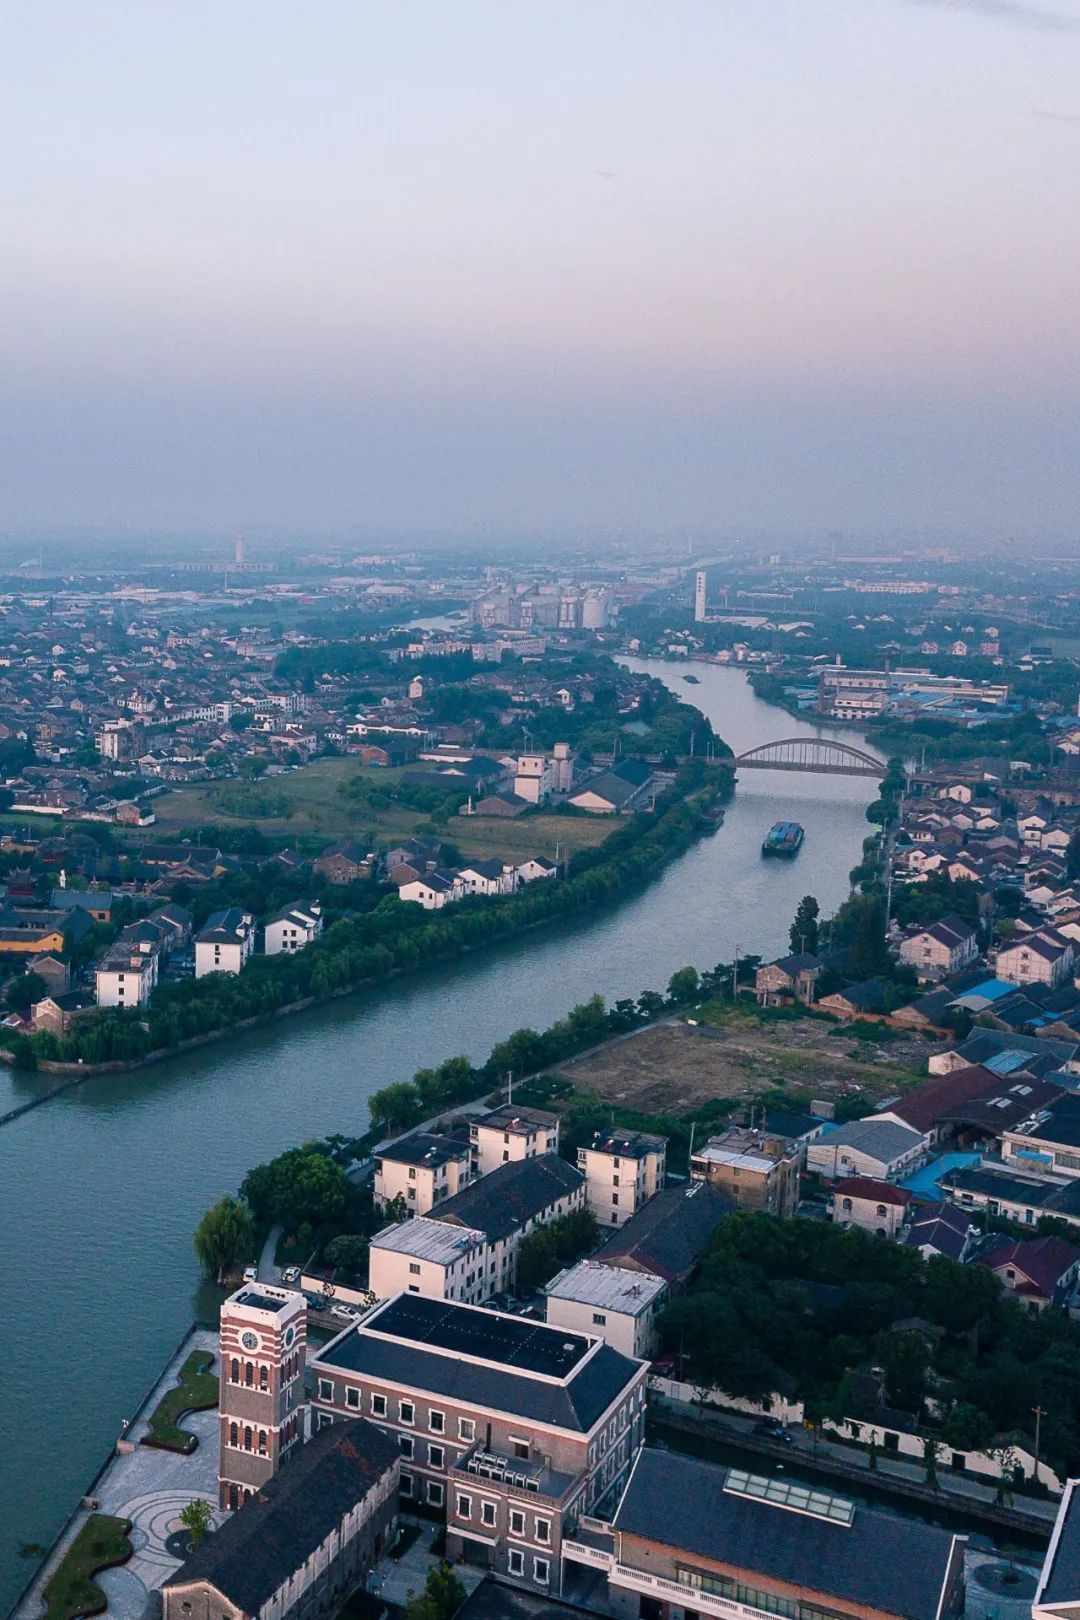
[503,1201]
[878,1561]
[271,1536]
[668,1234]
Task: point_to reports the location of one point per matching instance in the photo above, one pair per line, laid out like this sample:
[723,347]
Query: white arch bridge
[822,755]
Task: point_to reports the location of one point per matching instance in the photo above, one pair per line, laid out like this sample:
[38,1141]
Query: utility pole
[735,976]
[509,1086]
[1038,1411]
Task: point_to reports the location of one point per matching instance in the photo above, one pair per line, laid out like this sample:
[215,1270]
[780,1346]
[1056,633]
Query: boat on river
[784,838]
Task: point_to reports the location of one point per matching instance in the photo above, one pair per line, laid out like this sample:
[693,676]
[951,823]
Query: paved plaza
[149,1487]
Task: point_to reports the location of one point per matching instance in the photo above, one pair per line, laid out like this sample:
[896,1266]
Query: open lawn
[196,1390]
[72,1590]
[313,806]
[675,1069]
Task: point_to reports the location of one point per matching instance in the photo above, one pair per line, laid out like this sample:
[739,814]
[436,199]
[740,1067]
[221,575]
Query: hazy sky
[479,266]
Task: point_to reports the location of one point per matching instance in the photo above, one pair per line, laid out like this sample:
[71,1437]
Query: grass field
[318,812]
[675,1069]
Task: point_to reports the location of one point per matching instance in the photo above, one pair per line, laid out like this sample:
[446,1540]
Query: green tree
[868,954]
[441,1598]
[348,1254]
[224,1237]
[683,986]
[803,933]
[303,1185]
[24,990]
[1072,857]
[197,1517]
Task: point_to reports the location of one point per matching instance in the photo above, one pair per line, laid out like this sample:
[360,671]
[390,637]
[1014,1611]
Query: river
[101,1188]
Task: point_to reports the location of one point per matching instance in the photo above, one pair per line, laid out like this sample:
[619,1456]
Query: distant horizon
[726,266]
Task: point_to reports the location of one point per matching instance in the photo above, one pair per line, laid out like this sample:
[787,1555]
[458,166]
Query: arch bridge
[822,755]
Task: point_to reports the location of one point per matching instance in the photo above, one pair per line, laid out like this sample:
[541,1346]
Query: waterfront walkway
[149,1487]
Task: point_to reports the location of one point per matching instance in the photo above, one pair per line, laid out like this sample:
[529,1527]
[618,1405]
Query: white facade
[421,1180]
[292,929]
[432,1258]
[432,895]
[619,1306]
[1036,959]
[507,1134]
[622,1172]
[700,596]
[879,1149]
[534,778]
[225,944]
[126,984]
[535,868]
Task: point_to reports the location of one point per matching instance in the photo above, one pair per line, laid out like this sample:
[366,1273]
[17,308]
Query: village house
[1039,1271]
[1045,957]
[873,1206]
[433,1258]
[757,1169]
[941,1228]
[225,943]
[668,1235]
[292,928]
[344,863]
[940,947]
[510,1203]
[877,1148]
[791,978]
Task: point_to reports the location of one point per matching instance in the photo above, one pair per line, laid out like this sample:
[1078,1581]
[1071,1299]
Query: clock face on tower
[250,1341]
[290,1334]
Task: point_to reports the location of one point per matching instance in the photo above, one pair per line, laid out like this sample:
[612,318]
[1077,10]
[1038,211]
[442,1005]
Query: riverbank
[104,1188]
[679,835]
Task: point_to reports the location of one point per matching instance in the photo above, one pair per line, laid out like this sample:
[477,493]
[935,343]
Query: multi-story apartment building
[512,1202]
[126,974]
[513,1428]
[940,948]
[263,1338]
[433,1258]
[225,943]
[1048,1143]
[757,1168]
[511,1132]
[423,1170]
[620,1306]
[1043,957]
[623,1169]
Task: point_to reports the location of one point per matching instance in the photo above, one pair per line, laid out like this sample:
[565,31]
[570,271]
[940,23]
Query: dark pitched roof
[878,1561]
[942,1227]
[1043,1261]
[668,1234]
[1060,1580]
[499,1203]
[937,1098]
[801,962]
[424,1148]
[883,1192]
[260,1546]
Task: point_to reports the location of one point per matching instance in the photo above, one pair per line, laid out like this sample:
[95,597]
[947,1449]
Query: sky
[590,267]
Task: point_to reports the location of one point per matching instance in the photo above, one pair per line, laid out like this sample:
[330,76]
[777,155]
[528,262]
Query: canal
[101,1187]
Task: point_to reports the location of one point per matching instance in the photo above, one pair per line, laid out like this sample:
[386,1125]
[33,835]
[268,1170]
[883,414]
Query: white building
[423,1170]
[292,928]
[620,1306]
[536,867]
[510,1133]
[1045,957]
[124,979]
[940,948]
[226,942]
[433,1258]
[700,596]
[432,891]
[534,778]
[867,1147]
[487,877]
[623,1169]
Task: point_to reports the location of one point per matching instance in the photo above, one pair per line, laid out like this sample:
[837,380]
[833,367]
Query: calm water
[100,1189]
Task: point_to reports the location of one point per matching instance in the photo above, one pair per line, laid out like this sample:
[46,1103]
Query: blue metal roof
[1006,1062]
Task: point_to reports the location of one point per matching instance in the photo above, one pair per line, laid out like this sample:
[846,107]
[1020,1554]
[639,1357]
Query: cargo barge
[783,838]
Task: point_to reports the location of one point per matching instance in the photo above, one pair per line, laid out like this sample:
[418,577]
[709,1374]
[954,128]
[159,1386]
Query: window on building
[517,1522]
[406,1484]
[435,1492]
[614,1198]
[464,1506]
[414,1269]
[436,1422]
[247,1437]
[487,1514]
[264,1377]
[249,1373]
[599,1319]
[405,1445]
[466,1428]
[521,1448]
[233,1434]
[406,1411]
[235,1371]
[326,1389]
[352,1397]
[515,1561]
[378,1406]
[541,1571]
[543,1531]
[436,1456]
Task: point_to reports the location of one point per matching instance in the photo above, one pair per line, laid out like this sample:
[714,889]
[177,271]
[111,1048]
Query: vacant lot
[312,805]
[676,1069]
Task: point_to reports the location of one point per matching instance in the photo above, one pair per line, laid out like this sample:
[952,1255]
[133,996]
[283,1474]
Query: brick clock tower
[261,1389]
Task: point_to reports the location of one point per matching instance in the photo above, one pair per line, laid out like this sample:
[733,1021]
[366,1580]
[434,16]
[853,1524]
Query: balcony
[686,1596]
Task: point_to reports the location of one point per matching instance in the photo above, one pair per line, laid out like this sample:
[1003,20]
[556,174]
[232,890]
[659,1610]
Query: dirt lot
[675,1069]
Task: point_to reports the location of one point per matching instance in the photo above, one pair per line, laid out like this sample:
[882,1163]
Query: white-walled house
[487,877]
[623,1169]
[940,948]
[292,928]
[432,891]
[509,1133]
[225,943]
[537,866]
[617,1305]
[422,1170]
[433,1258]
[1045,957]
[866,1147]
[873,1206]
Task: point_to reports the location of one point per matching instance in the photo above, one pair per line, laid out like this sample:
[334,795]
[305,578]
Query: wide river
[101,1188]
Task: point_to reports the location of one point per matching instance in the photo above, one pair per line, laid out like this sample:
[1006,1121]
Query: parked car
[773,1429]
[291,1274]
[251,1273]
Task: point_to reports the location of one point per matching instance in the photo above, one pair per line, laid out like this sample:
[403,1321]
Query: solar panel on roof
[785,1493]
